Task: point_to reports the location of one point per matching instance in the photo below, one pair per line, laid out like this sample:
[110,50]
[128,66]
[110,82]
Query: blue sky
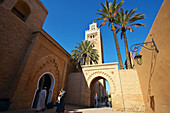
[67,21]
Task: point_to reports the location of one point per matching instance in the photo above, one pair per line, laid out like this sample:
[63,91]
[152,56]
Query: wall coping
[100,65]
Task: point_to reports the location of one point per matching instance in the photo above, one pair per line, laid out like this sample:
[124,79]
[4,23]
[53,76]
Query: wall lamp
[138,57]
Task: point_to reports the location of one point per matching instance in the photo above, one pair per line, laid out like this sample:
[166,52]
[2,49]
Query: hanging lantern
[138,59]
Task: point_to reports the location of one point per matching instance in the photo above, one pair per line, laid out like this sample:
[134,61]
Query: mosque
[31,59]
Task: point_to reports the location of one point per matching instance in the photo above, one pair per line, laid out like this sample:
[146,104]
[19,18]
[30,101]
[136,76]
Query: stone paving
[72,109]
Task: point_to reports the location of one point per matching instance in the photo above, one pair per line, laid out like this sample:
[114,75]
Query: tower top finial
[93,26]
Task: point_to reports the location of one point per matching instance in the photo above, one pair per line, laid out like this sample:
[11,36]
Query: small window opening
[21,10]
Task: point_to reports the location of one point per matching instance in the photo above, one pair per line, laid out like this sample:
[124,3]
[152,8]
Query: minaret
[94,35]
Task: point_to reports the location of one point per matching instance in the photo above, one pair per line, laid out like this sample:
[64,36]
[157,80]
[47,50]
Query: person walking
[41,100]
[96,101]
[60,101]
[110,101]
[106,101]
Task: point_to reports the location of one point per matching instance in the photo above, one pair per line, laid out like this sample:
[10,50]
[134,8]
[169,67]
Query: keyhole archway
[46,80]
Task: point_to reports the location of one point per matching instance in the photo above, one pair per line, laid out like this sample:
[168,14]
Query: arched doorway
[114,88]
[98,87]
[46,80]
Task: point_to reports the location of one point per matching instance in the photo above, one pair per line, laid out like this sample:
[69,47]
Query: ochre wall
[25,55]
[131,91]
[16,36]
[37,16]
[42,56]
[154,72]
[77,89]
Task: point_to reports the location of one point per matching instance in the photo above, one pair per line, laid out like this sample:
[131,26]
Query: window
[21,10]
[92,27]
[1,1]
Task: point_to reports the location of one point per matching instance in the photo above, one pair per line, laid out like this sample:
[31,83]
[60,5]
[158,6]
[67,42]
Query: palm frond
[84,52]
[114,3]
[108,11]
[107,4]
[101,14]
[119,5]
[117,30]
[100,18]
[137,24]
[131,13]
[136,17]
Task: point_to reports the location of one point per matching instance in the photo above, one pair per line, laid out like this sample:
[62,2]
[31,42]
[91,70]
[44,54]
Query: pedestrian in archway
[60,101]
[41,100]
[96,101]
[106,101]
[110,101]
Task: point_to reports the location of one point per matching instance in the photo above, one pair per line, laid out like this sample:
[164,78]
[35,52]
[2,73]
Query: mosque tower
[94,36]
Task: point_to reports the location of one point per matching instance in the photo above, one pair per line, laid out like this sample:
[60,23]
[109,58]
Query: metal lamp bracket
[144,45]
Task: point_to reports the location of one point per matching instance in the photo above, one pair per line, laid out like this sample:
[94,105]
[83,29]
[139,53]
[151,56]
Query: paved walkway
[72,109]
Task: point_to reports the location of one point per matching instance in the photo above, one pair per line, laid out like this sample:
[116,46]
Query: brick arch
[103,75]
[45,62]
[46,65]
[50,59]
[41,66]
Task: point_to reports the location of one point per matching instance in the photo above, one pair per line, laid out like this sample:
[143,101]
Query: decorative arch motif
[47,60]
[41,67]
[50,89]
[43,63]
[105,75]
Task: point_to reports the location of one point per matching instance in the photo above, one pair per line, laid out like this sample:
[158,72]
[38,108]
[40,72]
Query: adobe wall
[131,90]
[42,56]
[154,71]
[15,38]
[26,53]
[77,89]
[38,14]
[14,41]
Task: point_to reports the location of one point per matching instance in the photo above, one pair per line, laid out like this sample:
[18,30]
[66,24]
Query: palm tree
[85,53]
[124,21]
[108,13]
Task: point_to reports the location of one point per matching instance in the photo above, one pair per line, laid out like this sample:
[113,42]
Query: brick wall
[14,41]
[131,91]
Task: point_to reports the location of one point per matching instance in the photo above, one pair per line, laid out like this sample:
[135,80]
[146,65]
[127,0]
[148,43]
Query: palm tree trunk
[127,52]
[117,47]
